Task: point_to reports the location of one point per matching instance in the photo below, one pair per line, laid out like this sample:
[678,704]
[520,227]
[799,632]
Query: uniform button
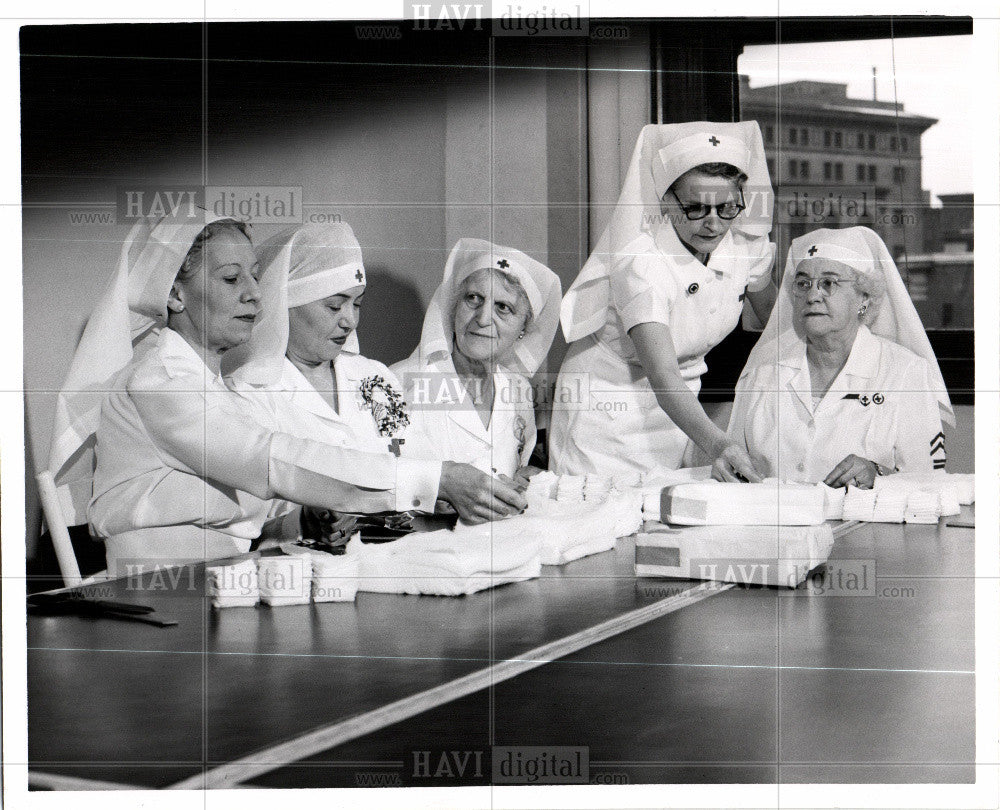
[801,467]
[416,501]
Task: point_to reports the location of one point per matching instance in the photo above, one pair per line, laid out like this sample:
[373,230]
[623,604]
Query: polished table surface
[748,684]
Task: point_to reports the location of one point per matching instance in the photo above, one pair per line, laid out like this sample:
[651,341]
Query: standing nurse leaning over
[686,246]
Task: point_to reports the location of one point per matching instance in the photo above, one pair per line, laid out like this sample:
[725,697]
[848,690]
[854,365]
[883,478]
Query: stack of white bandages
[749,555]
[295,578]
[233,585]
[771,533]
[909,497]
[714,503]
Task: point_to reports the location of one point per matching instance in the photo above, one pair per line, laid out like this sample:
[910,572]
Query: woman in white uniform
[185,469]
[843,385]
[304,369]
[488,328]
[666,283]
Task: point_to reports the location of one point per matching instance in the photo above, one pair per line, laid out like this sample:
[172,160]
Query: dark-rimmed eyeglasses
[726,210]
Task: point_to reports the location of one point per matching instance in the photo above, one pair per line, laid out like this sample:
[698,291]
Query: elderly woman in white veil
[488,328]
[303,367]
[685,247]
[843,385]
[184,468]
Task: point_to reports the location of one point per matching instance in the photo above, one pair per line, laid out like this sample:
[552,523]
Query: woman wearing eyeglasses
[686,245]
[843,385]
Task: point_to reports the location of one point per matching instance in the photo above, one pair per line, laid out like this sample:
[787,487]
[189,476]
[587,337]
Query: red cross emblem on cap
[503,263]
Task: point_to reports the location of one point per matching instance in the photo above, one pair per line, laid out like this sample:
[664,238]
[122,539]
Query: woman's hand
[854,470]
[476,496]
[524,475]
[734,464]
[326,525]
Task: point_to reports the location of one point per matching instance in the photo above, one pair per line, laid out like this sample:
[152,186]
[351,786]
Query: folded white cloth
[542,486]
[755,555]
[963,484]
[566,531]
[233,585]
[951,503]
[890,505]
[448,563]
[833,501]
[859,504]
[334,576]
[714,503]
[923,506]
[285,580]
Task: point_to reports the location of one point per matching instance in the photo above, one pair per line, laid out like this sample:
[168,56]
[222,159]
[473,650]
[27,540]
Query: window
[878,159]
[793,168]
[793,135]
[804,169]
[838,171]
[770,163]
[805,137]
[769,133]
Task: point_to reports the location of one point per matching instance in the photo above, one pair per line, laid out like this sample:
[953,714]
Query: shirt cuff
[417,484]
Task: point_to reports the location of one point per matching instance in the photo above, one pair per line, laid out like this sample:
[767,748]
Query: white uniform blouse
[621,430]
[881,407]
[445,425]
[186,469]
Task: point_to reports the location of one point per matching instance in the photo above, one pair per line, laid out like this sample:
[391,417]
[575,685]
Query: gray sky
[929,75]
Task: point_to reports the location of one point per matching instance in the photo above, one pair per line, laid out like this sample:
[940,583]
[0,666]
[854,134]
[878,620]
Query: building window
[871,141]
[898,174]
[838,171]
[804,168]
[770,163]
[827,137]
[906,144]
[893,144]
[793,168]
[861,172]
[827,170]
[872,172]
[861,140]
[805,137]
[838,139]
[793,135]
[769,133]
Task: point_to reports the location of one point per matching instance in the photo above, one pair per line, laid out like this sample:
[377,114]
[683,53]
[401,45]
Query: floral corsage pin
[386,404]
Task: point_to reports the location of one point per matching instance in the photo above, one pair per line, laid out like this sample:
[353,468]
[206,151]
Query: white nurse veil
[542,286]
[896,319]
[125,322]
[300,265]
[663,153]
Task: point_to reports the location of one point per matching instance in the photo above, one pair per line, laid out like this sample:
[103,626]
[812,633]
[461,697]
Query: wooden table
[752,684]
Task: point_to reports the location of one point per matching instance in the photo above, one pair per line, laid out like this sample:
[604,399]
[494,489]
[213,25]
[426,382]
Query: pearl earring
[863,310]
